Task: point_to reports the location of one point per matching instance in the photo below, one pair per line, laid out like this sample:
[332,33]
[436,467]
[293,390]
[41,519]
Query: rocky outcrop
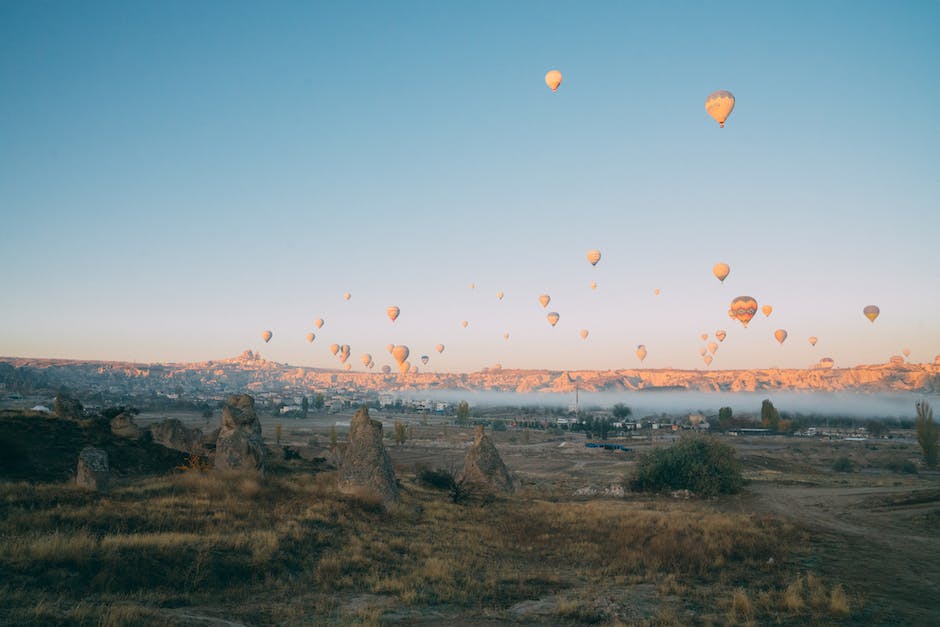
[93,471]
[239,445]
[366,464]
[123,426]
[67,406]
[173,434]
[484,467]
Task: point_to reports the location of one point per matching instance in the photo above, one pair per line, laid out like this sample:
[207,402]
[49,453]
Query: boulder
[173,434]
[239,445]
[366,464]
[93,470]
[67,406]
[123,426]
[484,467]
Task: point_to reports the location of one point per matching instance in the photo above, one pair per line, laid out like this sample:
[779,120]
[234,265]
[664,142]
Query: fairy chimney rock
[239,445]
[483,465]
[366,463]
[93,470]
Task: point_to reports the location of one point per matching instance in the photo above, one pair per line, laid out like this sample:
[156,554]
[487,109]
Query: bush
[843,464]
[903,466]
[698,463]
[928,435]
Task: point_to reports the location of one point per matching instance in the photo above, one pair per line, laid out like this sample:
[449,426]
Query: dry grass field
[802,544]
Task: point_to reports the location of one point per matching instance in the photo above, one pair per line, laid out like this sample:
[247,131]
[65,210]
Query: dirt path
[881,543]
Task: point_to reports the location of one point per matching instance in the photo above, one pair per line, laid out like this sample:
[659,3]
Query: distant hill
[249,372]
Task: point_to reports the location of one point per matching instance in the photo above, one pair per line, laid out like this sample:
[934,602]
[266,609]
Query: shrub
[927,434]
[843,464]
[903,466]
[698,463]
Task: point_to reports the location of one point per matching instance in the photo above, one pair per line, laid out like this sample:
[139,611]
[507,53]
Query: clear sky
[177,177]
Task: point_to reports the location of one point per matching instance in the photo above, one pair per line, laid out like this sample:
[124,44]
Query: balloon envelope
[721,270]
[440,348]
[593,285]
[553,79]
[871,312]
[584,334]
[334,348]
[366,359]
[743,309]
[593,256]
[400,353]
[311,337]
[499,295]
[544,299]
[780,335]
[707,359]
[465,324]
[713,347]
[318,323]
[719,105]
[767,310]
[721,334]
[425,359]
[641,352]
[389,347]
[347,295]
[553,318]
[392,313]
[266,336]
[812,340]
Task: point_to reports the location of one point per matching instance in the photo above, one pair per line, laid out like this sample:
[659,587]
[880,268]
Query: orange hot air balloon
[593,285]
[553,318]
[440,348]
[656,292]
[743,309]
[584,334]
[719,105]
[767,310]
[906,352]
[347,295]
[311,337]
[506,335]
[721,334]
[499,295]
[721,270]
[318,323]
[334,348]
[871,312]
[707,359]
[593,256]
[812,340]
[544,299]
[266,336]
[704,336]
[392,313]
[389,347]
[780,335]
[713,347]
[553,79]
[400,353]
[465,324]
[641,352]
[827,362]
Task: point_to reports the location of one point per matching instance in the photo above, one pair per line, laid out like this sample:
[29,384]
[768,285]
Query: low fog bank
[848,404]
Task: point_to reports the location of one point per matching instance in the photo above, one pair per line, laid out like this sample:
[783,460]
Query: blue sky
[176,177]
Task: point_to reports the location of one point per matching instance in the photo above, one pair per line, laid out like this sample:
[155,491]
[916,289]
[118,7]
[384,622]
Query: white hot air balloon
[553,79]
[366,359]
[719,105]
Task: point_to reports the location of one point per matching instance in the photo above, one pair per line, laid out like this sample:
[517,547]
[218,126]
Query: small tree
[769,417]
[725,415]
[304,407]
[463,413]
[401,431]
[621,411]
[928,435]
[319,401]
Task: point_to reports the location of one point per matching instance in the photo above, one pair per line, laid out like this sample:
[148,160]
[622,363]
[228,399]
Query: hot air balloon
[425,359]
[656,292]
[593,285]
[371,365]
[767,310]
[871,312]
[707,359]
[641,352]
[311,337]
[906,352]
[896,360]
[713,347]
[392,313]
[743,309]
[465,324]
[721,334]
[499,295]
[506,336]
[780,335]
[473,286]
[400,353]
[553,79]
[348,366]
[584,334]
[827,362]
[266,336]
[334,348]
[440,348]
[366,359]
[704,336]
[389,347]
[318,323]
[719,105]
[702,351]
[404,367]
[386,369]
[593,256]
[812,340]
[347,295]
[553,318]
[343,357]
[544,299]
[721,270]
